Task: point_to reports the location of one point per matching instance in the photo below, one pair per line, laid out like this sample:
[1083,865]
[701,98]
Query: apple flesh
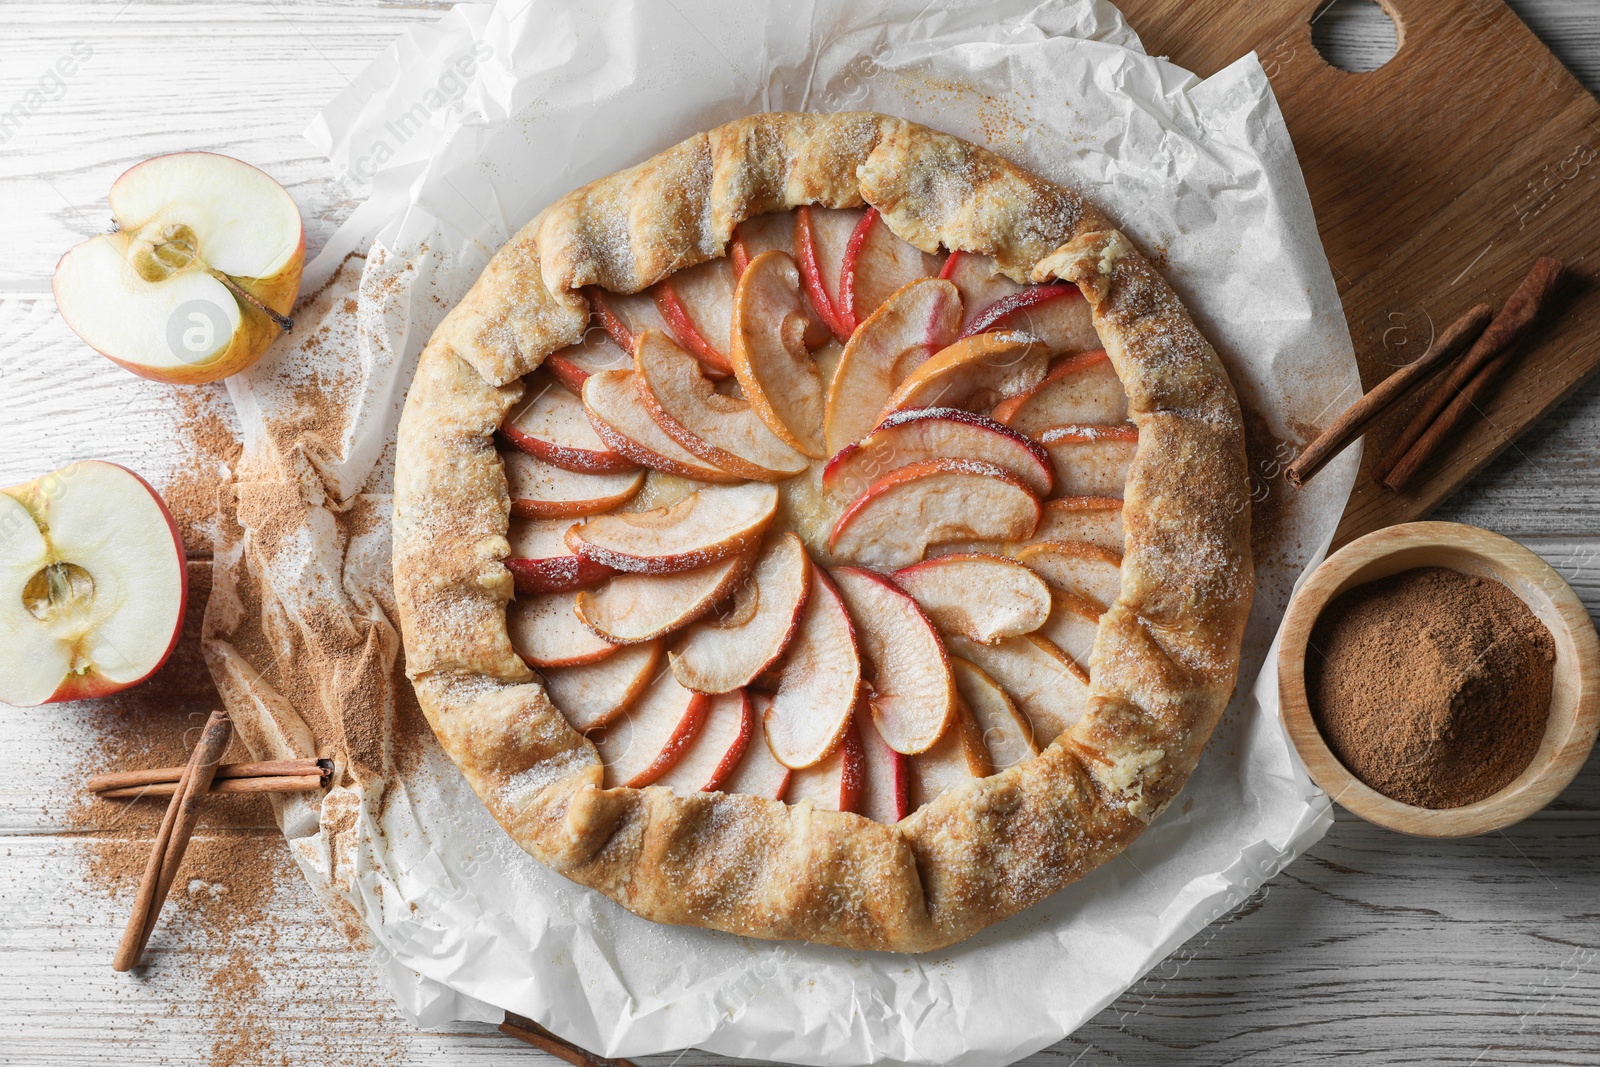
[1091,460]
[639,747]
[886,774]
[195,282]
[922,434]
[980,597]
[1072,626]
[980,283]
[821,238]
[1049,687]
[769,354]
[697,305]
[541,562]
[550,424]
[957,760]
[1079,568]
[93,583]
[717,749]
[593,694]
[639,607]
[975,374]
[759,774]
[1079,389]
[1056,314]
[541,490]
[876,265]
[818,682]
[707,525]
[1095,519]
[546,631]
[719,655]
[618,414]
[596,353]
[835,783]
[1007,734]
[625,317]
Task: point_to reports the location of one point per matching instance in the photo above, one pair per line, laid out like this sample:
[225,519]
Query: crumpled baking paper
[464,130]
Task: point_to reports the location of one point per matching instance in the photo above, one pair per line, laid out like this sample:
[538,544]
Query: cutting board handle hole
[1356,36]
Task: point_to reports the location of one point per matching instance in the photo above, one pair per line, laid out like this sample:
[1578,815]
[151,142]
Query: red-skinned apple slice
[769,355]
[718,748]
[1080,389]
[550,424]
[772,231]
[625,318]
[980,597]
[596,353]
[593,694]
[641,746]
[1095,519]
[1089,571]
[892,524]
[722,654]
[708,525]
[541,490]
[1057,315]
[908,437]
[638,607]
[876,265]
[1072,625]
[981,284]
[722,430]
[547,632]
[1007,734]
[914,323]
[759,774]
[821,237]
[541,562]
[93,583]
[697,305]
[817,683]
[886,774]
[974,374]
[1091,460]
[1044,682]
[195,281]
[618,414]
[913,695]
[835,783]
[959,758]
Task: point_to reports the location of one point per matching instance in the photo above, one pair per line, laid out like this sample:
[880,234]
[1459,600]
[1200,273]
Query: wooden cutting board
[1437,179]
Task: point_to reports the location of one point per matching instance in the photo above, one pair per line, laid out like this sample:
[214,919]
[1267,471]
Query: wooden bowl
[1574,702]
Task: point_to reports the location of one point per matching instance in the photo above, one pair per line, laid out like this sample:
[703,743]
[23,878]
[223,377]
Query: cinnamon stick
[1365,411]
[275,783]
[1520,311]
[101,783]
[530,1032]
[172,839]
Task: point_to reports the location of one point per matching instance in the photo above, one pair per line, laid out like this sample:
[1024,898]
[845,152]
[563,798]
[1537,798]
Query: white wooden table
[1374,946]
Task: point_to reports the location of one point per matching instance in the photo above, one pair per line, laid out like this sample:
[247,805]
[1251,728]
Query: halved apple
[593,694]
[719,655]
[835,783]
[550,424]
[876,265]
[1056,314]
[892,524]
[769,355]
[980,282]
[722,430]
[638,607]
[920,434]
[1072,625]
[1079,389]
[717,749]
[619,416]
[1043,681]
[817,682]
[958,759]
[981,597]
[697,305]
[913,695]
[546,632]
[974,374]
[1095,519]
[821,237]
[1089,571]
[710,524]
[899,337]
[759,774]
[625,317]
[1007,733]
[596,353]
[93,583]
[541,562]
[1091,460]
[886,774]
[541,490]
[641,746]
[196,280]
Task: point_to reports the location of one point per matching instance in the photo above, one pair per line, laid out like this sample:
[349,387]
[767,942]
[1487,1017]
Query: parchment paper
[464,130]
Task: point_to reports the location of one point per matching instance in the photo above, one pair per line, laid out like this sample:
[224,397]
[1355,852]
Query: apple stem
[283,322]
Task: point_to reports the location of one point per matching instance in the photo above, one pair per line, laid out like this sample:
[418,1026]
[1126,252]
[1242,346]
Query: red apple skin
[805,246]
[92,684]
[832,472]
[993,316]
[688,334]
[557,574]
[900,476]
[610,321]
[1065,367]
[580,460]
[731,760]
[738,256]
[846,311]
[694,715]
[900,764]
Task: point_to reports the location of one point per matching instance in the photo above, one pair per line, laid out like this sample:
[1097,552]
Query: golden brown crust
[1165,657]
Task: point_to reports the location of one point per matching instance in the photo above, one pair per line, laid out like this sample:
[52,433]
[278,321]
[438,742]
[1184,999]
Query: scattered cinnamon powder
[1432,686]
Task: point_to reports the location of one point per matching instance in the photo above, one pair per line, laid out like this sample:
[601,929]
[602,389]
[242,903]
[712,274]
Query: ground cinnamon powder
[1432,686]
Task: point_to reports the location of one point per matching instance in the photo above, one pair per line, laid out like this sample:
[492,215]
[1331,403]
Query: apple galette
[825,530]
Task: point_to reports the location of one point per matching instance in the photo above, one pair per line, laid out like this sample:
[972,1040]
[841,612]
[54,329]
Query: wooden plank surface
[1373,947]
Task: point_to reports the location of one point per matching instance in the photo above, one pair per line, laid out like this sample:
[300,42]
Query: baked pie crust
[1165,654]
